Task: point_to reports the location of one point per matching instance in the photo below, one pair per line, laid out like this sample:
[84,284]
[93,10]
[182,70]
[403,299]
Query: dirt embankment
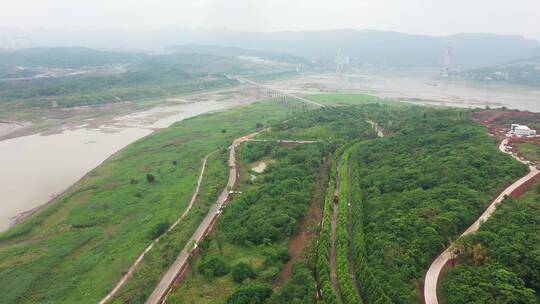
[498,123]
[308,229]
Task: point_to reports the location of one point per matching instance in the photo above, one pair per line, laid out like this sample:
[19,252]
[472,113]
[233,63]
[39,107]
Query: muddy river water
[36,168]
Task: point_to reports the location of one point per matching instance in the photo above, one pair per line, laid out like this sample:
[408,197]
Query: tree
[242,271]
[250,294]
[204,245]
[158,230]
[214,266]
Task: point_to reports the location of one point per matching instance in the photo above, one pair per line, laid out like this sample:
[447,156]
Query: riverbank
[42,160]
[37,168]
[103,224]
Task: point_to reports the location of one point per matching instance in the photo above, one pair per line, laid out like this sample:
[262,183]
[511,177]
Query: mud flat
[35,168]
[421,88]
[7,127]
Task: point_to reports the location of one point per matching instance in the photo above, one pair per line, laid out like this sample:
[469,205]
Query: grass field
[348,99]
[75,249]
[165,251]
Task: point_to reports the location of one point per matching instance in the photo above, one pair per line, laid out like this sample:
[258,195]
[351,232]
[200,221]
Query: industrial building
[520,130]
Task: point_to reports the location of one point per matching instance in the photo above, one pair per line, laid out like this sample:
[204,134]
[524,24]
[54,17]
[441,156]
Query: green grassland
[349,99]
[163,254]
[76,248]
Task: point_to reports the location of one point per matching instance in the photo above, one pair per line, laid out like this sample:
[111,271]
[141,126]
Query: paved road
[432,275]
[179,265]
[134,266]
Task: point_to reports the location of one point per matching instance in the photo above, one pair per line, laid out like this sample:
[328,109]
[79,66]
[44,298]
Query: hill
[521,72]
[363,47]
[236,52]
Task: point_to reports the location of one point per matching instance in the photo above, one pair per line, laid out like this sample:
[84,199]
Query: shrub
[158,230]
[214,266]
[242,271]
[250,294]
[150,178]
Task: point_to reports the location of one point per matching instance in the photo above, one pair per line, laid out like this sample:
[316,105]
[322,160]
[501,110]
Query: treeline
[370,288]
[501,262]
[90,90]
[329,295]
[418,189]
[270,212]
[336,125]
[346,284]
[145,76]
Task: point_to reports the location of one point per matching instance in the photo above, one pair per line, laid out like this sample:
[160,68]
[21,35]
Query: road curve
[433,273]
[134,266]
[179,265]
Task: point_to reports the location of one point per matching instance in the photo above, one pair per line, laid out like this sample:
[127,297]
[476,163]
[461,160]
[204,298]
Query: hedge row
[371,290]
[347,287]
[323,251]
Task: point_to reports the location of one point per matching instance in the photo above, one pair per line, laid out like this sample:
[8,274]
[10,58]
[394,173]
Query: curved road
[134,266]
[433,273]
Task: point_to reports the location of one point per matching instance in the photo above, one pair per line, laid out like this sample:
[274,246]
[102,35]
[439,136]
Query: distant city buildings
[521,130]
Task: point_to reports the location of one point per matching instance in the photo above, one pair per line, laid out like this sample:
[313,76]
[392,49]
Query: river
[421,87]
[36,168]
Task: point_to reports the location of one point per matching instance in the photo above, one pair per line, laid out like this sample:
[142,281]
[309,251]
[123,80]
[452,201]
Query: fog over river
[36,168]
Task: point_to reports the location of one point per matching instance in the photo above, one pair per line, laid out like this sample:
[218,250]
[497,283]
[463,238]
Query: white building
[520,130]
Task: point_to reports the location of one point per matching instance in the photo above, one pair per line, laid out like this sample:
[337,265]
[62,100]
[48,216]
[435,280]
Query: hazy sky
[413,16]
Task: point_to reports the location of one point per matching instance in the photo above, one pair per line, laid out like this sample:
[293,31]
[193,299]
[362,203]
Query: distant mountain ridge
[388,48]
[235,52]
[362,47]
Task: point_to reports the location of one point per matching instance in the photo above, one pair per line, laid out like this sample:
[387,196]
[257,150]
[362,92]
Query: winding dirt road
[433,274]
[134,266]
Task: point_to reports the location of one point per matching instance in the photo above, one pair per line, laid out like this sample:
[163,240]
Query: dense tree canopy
[421,188]
[510,254]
